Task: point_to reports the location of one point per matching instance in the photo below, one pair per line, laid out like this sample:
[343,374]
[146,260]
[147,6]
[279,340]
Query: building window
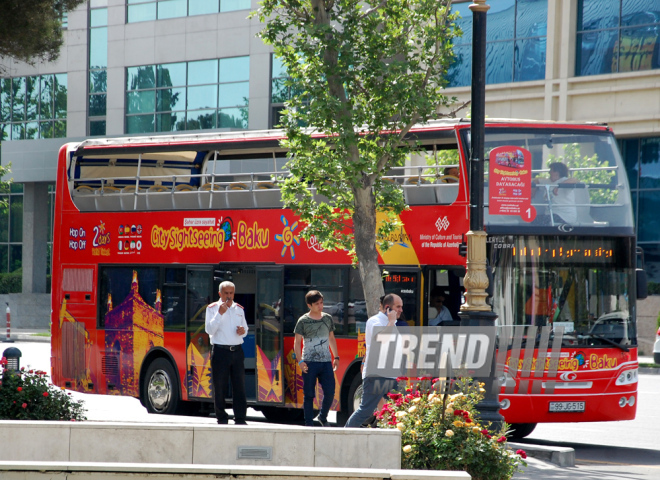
[282,89]
[149,10]
[198,95]
[515,42]
[617,36]
[11,227]
[279,91]
[33,107]
[642,160]
[98,64]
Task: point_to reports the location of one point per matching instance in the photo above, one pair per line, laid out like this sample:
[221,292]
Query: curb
[650,370]
[25,337]
[560,456]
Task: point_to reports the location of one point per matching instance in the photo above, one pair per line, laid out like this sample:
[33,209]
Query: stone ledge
[194,444]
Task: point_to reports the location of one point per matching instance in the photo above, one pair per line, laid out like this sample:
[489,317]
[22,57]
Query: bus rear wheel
[521,430]
[161,392]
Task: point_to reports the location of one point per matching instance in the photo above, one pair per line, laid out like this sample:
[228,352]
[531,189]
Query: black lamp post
[476,312]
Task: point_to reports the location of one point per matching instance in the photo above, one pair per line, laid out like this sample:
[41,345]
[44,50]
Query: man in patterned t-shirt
[316,361]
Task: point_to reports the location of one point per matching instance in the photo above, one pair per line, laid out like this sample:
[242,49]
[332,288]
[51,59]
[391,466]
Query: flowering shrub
[441,432]
[27,395]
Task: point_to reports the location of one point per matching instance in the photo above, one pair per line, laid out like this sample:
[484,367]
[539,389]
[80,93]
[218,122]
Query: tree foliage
[31,30]
[362,74]
[572,158]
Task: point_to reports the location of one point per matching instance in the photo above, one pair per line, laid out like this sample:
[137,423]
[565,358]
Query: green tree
[589,173]
[31,30]
[366,72]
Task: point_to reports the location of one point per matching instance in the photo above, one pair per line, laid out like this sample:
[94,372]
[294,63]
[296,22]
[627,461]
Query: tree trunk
[364,224]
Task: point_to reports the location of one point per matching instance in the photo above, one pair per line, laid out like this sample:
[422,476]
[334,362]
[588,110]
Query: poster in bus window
[510,182]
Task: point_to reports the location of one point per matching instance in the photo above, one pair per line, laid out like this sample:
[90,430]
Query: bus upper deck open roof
[242,141]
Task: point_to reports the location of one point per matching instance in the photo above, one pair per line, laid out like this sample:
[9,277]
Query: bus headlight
[627,377]
[631,401]
[504,404]
[623,402]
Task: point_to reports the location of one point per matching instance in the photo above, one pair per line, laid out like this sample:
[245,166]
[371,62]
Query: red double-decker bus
[147,227]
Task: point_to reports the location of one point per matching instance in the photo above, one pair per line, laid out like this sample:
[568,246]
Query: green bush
[27,395]
[441,432]
[653,288]
[11,282]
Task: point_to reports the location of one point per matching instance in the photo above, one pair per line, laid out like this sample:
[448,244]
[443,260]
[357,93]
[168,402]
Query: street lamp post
[475,311]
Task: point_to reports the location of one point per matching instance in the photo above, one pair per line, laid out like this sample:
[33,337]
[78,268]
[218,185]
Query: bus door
[199,293]
[269,335]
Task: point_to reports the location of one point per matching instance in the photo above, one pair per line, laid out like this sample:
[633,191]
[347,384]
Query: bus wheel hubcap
[160,390]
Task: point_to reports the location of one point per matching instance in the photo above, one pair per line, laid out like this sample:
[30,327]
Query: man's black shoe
[240,422]
[223,422]
[322,421]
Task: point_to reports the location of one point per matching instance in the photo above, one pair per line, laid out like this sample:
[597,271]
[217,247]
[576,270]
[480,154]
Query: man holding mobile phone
[227,327]
[391,307]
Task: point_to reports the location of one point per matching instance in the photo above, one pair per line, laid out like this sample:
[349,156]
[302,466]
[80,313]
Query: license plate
[567,406]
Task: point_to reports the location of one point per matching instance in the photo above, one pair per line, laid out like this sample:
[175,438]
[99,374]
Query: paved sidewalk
[25,335]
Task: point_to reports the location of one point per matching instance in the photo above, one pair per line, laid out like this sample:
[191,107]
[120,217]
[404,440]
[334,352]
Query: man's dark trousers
[225,364]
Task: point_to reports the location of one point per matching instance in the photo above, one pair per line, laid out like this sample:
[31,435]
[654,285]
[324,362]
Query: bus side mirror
[642,286]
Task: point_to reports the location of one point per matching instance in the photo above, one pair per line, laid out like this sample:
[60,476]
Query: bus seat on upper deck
[212,195]
[418,191]
[128,198]
[446,192]
[239,196]
[159,197]
[83,198]
[583,207]
[108,199]
[266,194]
[185,197]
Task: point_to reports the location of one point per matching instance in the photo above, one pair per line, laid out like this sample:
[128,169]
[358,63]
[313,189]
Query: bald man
[375,388]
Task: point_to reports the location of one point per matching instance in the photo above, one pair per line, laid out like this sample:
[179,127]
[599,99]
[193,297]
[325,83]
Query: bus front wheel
[521,430]
[161,392]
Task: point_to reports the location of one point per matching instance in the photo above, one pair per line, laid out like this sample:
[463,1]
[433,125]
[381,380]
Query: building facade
[135,67]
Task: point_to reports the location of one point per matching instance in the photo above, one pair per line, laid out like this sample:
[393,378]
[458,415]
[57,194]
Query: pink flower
[394,396]
[458,413]
[484,432]
[501,439]
[522,454]
[24,405]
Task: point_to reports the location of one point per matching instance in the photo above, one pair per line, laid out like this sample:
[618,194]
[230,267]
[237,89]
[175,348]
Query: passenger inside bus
[450,175]
[561,201]
[436,300]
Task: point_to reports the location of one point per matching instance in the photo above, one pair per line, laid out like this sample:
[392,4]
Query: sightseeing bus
[147,227]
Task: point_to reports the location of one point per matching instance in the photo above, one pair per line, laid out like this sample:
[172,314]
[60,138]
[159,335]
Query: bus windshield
[582,285]
[599,192]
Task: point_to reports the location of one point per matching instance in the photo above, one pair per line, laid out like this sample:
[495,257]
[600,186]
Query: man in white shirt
[374,388]
[436,301]
[226,326]
[561,200]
